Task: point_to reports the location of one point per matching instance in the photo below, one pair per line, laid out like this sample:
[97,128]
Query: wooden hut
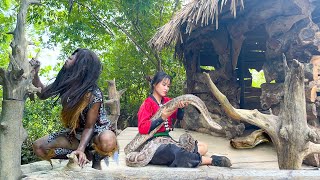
[235,36]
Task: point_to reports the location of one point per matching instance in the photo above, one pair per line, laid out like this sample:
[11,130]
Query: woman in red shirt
[171,154]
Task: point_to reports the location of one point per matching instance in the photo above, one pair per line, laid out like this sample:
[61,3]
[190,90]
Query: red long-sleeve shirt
[147,109]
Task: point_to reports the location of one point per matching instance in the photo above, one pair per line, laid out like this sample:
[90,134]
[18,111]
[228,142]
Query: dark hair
[158,77]
[73,82]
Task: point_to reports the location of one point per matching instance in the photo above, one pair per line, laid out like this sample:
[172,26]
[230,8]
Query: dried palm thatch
[195,12]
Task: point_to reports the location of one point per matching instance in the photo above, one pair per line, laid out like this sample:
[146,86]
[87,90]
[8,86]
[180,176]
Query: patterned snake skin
[138,155]
[144,156]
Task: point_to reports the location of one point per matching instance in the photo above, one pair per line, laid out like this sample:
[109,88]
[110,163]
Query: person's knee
[202,148]
[184,158]
[107,141]
[38,148]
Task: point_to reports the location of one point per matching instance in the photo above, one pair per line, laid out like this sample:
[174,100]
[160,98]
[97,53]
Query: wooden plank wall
[252,56]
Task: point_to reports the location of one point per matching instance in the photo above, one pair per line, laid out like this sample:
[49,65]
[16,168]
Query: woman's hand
[182,104]
[36,79]
[82,158]
[36,65]
[166,113]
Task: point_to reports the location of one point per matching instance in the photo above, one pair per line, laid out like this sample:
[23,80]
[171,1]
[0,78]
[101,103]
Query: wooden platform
[260,162]
[261,157]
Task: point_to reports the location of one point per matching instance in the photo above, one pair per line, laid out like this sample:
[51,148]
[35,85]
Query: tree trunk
[294,129]
[11,137]
[17,86]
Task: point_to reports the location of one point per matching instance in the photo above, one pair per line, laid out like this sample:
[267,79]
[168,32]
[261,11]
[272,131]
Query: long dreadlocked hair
[73,84]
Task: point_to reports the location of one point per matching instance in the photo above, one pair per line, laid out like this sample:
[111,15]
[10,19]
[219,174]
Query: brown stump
[114,103]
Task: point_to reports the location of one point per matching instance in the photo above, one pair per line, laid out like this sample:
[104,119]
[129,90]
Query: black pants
[174,156]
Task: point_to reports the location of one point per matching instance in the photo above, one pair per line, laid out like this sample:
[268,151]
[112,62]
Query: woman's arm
[87,133]
[179,113]
[145,114]
[37,82]
[145,125]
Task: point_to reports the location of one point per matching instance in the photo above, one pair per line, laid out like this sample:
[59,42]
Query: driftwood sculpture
[250,141]
[113,103]
[292,137]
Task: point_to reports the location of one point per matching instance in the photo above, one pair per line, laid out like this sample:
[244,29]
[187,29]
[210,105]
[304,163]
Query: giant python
[140,139]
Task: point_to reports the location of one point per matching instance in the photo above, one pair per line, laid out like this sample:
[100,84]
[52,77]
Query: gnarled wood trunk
[114,103]
[293,134]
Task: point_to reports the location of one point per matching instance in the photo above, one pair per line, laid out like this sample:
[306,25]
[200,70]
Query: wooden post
[114,103]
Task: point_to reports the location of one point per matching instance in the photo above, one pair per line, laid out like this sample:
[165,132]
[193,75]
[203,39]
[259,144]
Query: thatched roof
[197,12]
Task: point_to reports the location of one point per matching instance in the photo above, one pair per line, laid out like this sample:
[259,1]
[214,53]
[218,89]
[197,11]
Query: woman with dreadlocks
[83,114]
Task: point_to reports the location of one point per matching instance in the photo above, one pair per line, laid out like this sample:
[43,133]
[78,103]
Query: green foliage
[7,19]
[118,31]
[208,68]
[40,118]
[257,78]
[40,113]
